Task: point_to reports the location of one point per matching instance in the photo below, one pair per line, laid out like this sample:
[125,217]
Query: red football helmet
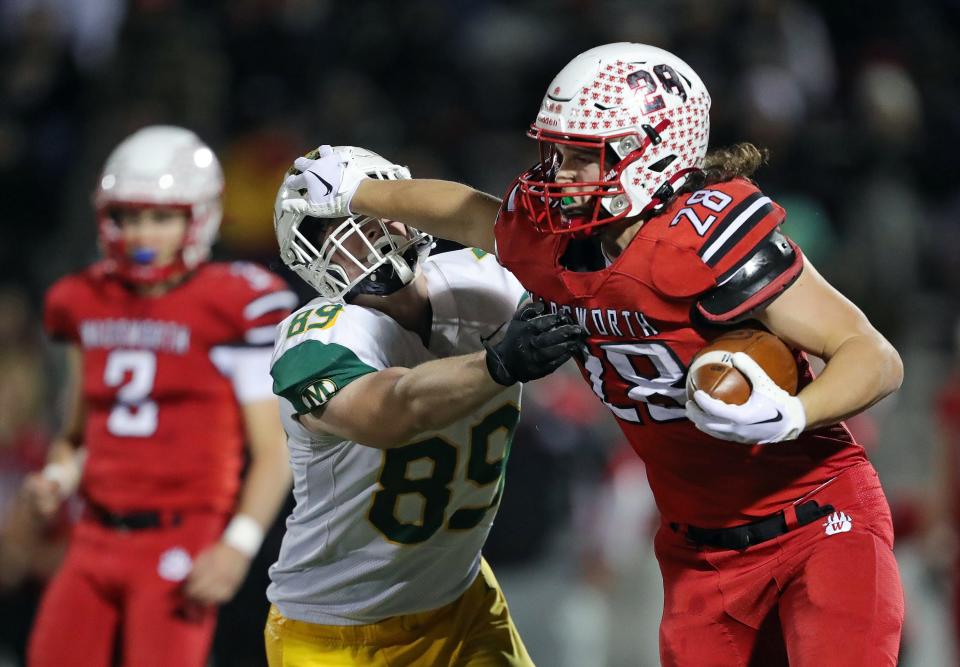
[646,115]
[167,166]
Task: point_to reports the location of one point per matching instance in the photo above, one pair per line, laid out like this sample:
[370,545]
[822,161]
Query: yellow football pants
[474,630]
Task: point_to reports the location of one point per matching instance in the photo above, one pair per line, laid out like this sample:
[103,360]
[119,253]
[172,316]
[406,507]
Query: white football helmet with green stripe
[316,249]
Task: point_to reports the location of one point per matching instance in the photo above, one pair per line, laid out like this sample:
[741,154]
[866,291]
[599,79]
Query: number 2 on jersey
[134,372]
[434,488]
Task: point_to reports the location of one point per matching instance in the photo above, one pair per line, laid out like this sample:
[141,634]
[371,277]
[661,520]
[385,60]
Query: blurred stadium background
[859,103]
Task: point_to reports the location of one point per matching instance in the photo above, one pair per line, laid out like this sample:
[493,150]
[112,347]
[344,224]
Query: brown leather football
[712,369]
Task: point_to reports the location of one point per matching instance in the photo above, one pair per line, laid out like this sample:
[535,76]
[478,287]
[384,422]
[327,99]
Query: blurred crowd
[856,102]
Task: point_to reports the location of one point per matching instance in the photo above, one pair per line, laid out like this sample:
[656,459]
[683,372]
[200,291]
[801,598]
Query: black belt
[138,520]
[741,537]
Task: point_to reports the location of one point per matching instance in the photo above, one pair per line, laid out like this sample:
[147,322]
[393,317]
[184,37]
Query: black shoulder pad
[772,267]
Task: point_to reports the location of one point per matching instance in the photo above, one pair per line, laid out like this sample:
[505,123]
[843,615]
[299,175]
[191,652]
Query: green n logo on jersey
[478,253]
[318,393]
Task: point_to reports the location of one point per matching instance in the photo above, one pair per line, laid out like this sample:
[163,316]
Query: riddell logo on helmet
[546,119]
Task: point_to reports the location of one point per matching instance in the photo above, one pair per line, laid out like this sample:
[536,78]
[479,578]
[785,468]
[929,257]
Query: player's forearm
[862,371]
[66,447]
[267,480]
[264,488]
[442,208]
[266,485]
[440,392]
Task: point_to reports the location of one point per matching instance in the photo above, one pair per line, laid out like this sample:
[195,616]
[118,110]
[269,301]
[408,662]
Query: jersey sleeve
[472,296]
[724,248]
[324,347]
[248,368]
[59,318]
[506,292]
[257,301]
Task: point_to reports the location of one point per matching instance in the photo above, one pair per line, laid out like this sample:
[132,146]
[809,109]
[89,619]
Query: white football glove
[769,415]
[330,181]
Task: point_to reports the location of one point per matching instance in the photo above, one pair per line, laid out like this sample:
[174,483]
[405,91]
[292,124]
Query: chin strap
[401,265]
[402,268]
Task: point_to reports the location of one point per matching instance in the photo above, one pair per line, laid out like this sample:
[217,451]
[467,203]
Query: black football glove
[534,345]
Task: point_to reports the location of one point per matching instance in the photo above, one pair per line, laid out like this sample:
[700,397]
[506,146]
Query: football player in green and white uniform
[400,410]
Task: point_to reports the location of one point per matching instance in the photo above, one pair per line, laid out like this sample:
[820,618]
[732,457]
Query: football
[712,368]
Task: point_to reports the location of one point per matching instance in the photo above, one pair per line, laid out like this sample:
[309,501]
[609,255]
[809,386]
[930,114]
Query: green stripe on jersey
[311,373]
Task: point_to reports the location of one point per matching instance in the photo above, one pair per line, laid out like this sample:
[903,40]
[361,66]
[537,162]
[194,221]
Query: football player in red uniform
[776,539]
[169,376]
[943,525]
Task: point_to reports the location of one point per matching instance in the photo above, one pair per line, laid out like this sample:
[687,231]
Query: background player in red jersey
[776,543]
[168,377]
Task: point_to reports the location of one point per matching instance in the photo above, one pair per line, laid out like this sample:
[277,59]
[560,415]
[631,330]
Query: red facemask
[549,203]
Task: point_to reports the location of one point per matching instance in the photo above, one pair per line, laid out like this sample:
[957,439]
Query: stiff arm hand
[330,181]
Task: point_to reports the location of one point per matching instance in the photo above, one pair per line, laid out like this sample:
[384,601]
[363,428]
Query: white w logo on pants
[838,522]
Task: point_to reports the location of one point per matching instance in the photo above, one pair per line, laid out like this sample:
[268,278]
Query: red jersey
[163,427]
[639,313]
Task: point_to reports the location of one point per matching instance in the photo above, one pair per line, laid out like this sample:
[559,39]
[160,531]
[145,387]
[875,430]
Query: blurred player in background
[399,425]
[943,522]
[777,542]
[168,377]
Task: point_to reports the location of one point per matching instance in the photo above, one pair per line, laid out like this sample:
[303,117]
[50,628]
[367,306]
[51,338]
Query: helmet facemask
[549,202]
[140,269]
[385,262]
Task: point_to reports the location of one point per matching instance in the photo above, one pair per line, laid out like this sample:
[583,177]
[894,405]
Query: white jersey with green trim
[377,533]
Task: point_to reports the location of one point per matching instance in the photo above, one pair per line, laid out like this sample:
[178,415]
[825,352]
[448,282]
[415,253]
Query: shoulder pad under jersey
[716,227]
[749,286]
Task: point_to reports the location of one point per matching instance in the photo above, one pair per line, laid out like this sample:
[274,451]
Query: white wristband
[65,475]
[244,534]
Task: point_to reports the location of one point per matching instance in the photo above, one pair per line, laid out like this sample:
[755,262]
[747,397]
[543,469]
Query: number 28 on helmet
[641,113]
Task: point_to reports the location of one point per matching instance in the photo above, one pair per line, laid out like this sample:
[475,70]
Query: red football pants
[128,583]
[806,598]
